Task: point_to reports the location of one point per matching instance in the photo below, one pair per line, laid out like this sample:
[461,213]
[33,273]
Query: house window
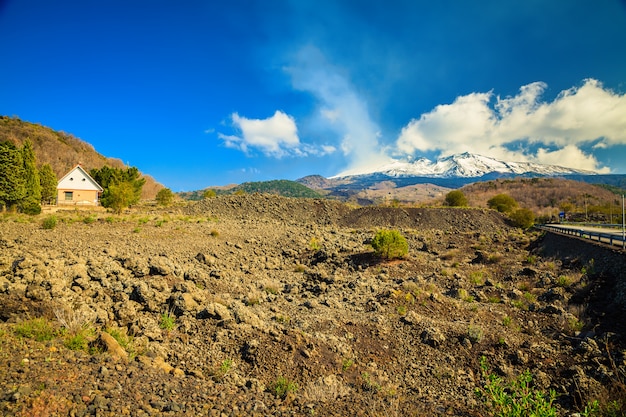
[69,195]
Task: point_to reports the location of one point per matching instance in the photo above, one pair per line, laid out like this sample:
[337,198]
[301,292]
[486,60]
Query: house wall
[79,197]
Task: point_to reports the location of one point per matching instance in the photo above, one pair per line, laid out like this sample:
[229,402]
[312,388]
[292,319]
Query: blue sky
[203,93]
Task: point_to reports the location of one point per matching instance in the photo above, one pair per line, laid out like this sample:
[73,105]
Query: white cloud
[575,118]
[276,136]
[340,108]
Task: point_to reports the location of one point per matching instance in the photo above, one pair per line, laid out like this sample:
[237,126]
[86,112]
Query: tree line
[25,188]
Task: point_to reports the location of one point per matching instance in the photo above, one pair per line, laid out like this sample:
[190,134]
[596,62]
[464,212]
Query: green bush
[456,198]
[30,207]
[515,399]
[523,218]
[390,244]
[504,203]
[49,222]
[165,197]
[38,329]
[282,387]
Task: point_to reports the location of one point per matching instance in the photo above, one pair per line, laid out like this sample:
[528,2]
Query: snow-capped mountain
[464,165]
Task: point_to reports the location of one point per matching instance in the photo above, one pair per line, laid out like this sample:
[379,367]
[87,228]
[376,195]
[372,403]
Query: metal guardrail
[612,239]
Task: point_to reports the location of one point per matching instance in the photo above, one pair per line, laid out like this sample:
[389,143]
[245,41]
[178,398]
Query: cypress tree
[12,178]
[48,181]
[31,175]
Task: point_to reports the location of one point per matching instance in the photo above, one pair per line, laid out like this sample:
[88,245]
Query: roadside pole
[623,225]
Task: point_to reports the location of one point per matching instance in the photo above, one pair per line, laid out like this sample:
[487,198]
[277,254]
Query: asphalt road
[611,236]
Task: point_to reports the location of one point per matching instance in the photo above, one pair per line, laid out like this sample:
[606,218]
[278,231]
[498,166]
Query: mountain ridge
[465,165]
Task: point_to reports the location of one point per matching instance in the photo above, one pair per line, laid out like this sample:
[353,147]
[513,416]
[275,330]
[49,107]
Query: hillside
[283,188]
[549,196]
[62,150]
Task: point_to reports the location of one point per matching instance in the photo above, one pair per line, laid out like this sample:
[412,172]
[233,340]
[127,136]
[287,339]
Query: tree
[209,193]
[523,218]
[31,204]
[456,198]
[504,203]
[390,244]
[121,186]
[164,197]
[48,181]
[12,181]
[120,196]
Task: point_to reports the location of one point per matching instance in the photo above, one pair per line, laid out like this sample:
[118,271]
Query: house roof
[78,179]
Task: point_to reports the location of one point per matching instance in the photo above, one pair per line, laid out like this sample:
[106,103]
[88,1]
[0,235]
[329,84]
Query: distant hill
[280,187]
[283,188]
[62,150]
[549,196]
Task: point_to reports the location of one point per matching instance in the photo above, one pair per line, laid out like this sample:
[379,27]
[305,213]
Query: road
[611,236]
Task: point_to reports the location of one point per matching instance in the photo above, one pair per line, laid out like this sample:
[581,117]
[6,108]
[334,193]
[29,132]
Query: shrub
[523,218]
[504,203]
[517,398]
[456,198]
[283,386]
[390,244]
[30,207]
[49,222]
[39,329]
[164,197]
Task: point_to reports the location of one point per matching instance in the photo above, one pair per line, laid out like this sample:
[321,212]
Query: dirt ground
[262,305]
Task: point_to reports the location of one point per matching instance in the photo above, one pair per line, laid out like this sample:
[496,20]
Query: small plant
[401,309]
[89,219]
[78,341]
[160,222]
[223,370]
[474,333]
[121,337]
[346,364]
[507,321]
[282,319]
[390,244]
[168,320]
[563,281]
[283,386]
[476,278]
[143,220]
[49,222]
[38,329]
[137,230]
[368,383]
[110,219]
[214,233]
[272,289]
[515,399]
[314,244]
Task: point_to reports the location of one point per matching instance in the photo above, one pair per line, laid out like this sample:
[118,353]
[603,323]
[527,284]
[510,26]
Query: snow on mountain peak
[465,165]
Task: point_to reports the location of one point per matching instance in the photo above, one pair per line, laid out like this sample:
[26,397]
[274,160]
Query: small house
[77,188]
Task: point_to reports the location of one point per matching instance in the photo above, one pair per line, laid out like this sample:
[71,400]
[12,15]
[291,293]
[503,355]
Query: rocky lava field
[258,305]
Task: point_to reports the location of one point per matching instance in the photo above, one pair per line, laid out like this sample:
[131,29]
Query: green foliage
[280,187]
[119,196]
[168,320]
[390,244]
[38,329]
[48,181]
[523,218]
[283,386]
[165,197]
[49,222]
[209,193]
[31,175]
[504,203]
[122,187]
[78,341]
[515,399]
[30,206]
[12,178]
[456,198]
